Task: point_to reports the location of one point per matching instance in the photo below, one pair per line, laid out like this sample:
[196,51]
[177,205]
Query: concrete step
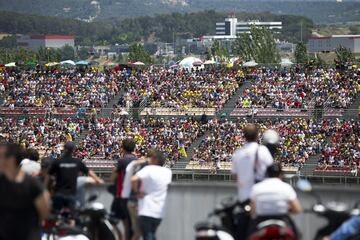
[81,137]
[107,110]
[231,103]
[104,113]
[181,164]
[310,165]
[352,111]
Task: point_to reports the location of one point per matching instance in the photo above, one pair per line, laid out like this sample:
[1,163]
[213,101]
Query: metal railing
[211,111]
[226,176]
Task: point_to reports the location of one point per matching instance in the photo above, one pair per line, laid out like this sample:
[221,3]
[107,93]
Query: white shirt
[30,167]
[126,191]
[155,181]
[243,162]
[272,197]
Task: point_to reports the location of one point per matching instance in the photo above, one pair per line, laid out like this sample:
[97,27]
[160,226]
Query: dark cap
[70,146]
[274,170]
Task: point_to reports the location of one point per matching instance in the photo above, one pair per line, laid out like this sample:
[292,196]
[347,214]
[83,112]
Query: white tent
[138,63]
[12,64]
[190,62]
[68,62]
[251,63]
[209,62]
[234,59]
[82,62]
[285,62]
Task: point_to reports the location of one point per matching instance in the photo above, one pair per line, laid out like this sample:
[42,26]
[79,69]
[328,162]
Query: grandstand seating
[270,112]
[161,102]
[180,112]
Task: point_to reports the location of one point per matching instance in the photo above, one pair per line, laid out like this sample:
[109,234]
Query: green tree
[301,54]
[47,55]
[67,52]
[8,42]
[316,61]
[83,53]
[258,45]
[215,48]
[137,52]
[343,55]
[218,52]
[354,29]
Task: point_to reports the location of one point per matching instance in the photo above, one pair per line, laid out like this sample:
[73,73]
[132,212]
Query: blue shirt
[347,229]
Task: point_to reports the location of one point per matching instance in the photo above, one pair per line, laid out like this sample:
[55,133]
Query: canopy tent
[190,62]
[12,64]
[109,64]
[51,64]
[82,62]
[171,63]
[174,66]
[229,65]
[94,63]
[235,60]
[138,63]
[251,63]
[68,62]
[285,62]
[209,62]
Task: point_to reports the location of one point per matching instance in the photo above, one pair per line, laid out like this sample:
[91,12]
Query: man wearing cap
[249,165]
[66,171]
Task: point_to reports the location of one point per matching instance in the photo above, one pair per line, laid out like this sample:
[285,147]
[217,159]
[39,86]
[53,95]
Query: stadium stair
[311,164]
[106,112]
[181,164]
[231,103]
[352,111]
[81,136]
[309,168]
[227,109]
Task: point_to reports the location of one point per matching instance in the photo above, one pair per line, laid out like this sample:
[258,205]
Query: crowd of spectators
[180,89]
[284,89]
[172,136]
[59,88]
[300,139]
[342,150]
[47,135]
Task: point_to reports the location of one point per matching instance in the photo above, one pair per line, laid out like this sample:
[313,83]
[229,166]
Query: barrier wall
[189,203]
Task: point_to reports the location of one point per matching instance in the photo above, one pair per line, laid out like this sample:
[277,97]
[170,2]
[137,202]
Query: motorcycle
[227,212]
[336,213]
[97,223]
[91,223]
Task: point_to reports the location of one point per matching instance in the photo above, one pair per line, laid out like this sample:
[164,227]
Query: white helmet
[270,137]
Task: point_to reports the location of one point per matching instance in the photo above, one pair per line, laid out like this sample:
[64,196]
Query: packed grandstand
[195,117]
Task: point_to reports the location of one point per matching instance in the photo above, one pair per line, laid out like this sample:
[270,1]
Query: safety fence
[181,175]
[256,113]
[223,176]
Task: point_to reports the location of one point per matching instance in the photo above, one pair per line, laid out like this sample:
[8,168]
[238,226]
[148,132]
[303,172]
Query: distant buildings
[34,42]
[231,27]
[226,33]
[329,44]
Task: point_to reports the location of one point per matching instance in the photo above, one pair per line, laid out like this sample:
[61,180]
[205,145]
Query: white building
[34,42]
[231,26]
[329,44]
